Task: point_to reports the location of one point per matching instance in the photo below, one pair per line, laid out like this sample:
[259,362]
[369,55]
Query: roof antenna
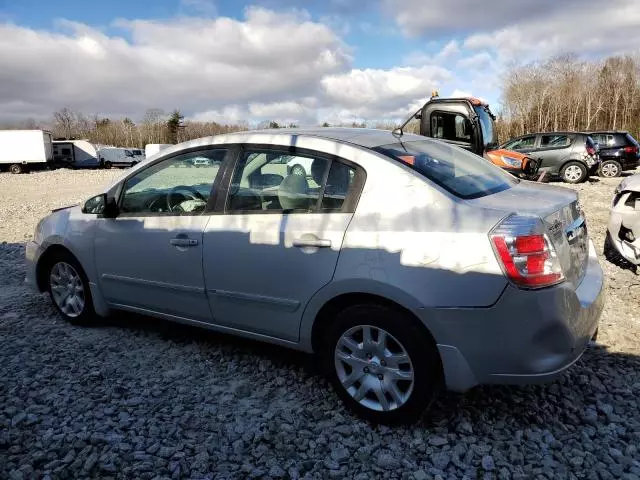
[398,132]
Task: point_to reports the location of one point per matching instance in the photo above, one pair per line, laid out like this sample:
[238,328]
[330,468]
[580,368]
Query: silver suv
[406,264]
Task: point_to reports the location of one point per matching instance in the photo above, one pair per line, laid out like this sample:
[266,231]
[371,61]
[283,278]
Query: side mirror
[102,205]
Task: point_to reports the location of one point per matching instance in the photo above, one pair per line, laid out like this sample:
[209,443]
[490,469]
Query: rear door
[276,239]
[553,149]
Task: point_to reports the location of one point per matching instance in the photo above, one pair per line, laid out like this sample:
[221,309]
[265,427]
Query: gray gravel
[140,398]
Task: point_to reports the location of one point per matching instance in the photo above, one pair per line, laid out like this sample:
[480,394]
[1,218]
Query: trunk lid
[559,209]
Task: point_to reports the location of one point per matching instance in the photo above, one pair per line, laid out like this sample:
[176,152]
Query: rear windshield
[632,140]
[464,174]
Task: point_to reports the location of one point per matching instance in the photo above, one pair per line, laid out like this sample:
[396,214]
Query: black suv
[572,156]
[618,151]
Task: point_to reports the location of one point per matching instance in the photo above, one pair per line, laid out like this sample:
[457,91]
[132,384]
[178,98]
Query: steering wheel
[192,193]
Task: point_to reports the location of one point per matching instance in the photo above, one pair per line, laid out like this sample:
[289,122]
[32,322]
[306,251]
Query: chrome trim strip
[281,303]
[153,283]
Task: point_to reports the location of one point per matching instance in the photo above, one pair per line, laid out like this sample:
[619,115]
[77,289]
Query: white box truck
[22,150]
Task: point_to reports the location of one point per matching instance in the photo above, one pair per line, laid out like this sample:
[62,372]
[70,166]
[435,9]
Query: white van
[119,157]
[22,150]
[75,154]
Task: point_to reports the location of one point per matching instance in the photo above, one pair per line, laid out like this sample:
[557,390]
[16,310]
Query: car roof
[609,132]
[363,137]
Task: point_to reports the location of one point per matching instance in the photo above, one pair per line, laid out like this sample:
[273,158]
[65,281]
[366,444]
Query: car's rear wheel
[610,169]
[382,366]
[574,172]
[16,168]
[108,164]
[69,289]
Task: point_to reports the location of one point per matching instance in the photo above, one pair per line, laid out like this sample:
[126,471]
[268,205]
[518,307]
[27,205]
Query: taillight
[631,149]
[525,252]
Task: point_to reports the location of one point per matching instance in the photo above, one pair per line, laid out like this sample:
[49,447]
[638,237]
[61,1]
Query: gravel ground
[141,398]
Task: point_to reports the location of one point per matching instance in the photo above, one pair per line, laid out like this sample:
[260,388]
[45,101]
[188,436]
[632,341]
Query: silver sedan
[405,264]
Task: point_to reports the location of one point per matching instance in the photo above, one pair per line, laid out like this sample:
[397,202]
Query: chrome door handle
[183,242]
[319,243]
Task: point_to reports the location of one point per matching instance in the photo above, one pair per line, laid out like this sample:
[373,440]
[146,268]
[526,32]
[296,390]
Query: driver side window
[179,185]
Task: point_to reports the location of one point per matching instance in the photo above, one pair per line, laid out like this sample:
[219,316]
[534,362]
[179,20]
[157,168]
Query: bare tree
[64,123]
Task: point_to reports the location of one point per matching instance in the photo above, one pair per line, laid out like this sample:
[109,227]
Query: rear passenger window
[338,185]
[271,182]
[554,141]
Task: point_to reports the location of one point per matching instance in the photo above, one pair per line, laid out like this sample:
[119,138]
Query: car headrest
[293,193]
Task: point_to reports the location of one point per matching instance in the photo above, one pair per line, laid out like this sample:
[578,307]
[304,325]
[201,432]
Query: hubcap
[374,368]
[573,173]
[67,289]
[609,170]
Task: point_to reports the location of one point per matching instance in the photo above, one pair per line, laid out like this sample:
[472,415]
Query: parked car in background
[570,156]
[407,266]
[623,230]
[619,151]
[75,154]
[119,157]
[23,150]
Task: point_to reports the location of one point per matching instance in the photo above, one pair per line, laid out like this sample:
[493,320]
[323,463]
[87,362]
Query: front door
[149,258]
[278,240]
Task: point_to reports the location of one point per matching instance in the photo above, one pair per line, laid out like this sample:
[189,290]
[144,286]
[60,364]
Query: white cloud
[476,62]
[189,63]
[449,51]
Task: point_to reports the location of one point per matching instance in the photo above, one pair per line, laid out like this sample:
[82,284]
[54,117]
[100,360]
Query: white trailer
[22,150]
[153,148]
[75,154]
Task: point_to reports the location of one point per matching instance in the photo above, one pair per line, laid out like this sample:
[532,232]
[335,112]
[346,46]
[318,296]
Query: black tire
[298,170]
[16,168]
[87,315]
[402,331]
[612,255]
[610,169]
[567,174]
[107,164]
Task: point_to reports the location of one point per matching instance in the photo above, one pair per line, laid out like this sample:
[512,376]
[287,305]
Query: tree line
[565,93]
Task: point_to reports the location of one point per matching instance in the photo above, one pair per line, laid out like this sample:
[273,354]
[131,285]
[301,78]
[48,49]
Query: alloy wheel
[609,170]
[67,289]
[374,368]
[573,173]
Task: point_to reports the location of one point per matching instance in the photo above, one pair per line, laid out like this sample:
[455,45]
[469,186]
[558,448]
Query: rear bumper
[526,337]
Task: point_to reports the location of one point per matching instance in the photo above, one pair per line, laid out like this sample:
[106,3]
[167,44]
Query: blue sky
[303,61]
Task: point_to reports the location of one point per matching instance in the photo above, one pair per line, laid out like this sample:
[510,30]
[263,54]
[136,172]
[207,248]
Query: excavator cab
[468,123]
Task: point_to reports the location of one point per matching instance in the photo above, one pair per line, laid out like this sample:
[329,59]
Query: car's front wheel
[610,169]
[383,367]
[574,172]
[69,289]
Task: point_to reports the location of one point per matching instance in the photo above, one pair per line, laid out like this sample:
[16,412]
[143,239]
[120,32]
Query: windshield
[464,174]
[489,139]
